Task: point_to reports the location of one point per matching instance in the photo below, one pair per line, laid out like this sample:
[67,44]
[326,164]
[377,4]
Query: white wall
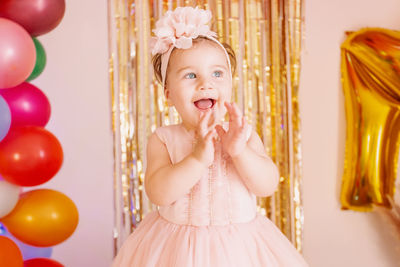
[76,83]
[333,237]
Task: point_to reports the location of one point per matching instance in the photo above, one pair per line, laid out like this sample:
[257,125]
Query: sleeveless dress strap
[161,134]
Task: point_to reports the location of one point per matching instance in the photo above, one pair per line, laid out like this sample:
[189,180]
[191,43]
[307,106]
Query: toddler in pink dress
[204,174]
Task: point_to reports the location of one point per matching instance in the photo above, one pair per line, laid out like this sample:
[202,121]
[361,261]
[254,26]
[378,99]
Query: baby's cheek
[226,94]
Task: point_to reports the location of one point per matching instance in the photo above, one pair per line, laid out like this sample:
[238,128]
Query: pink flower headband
[177,29]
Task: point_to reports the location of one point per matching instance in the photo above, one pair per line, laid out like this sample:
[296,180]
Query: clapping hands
[233,141]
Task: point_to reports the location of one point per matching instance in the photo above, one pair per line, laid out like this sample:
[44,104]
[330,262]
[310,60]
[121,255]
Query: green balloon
[40,60]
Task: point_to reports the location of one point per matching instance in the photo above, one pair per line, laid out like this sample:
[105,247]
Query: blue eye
[190,75]
[217,73]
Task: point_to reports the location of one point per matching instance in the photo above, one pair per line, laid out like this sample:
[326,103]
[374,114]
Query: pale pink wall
[76,82]
[333,237]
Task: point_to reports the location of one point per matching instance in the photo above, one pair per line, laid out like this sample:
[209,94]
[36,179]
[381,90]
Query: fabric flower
[179,27]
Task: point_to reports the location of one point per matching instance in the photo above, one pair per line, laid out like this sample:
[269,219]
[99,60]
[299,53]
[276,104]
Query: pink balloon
[17,54]
[28,105]
[36,16]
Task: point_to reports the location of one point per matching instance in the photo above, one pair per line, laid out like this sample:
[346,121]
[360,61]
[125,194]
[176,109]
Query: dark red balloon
[29,106]
[36,16]
[42,262]
[30,156]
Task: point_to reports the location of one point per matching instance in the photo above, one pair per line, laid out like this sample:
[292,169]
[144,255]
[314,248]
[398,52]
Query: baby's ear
[169,102]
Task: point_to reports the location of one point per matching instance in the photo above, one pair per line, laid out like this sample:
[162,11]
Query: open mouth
[205,103]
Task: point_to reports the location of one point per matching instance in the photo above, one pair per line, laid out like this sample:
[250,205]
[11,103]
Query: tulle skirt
[157,242]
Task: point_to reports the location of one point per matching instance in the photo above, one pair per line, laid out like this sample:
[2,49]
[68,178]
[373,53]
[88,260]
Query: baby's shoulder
[165,132]
[167,128]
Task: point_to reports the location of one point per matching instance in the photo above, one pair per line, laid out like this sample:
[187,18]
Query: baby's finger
[215,121]
[243,128]
[236,109]
[212,120]
[220,131]
[228,108]
[244,123]
[234,118]
[203,123]
[200,118]
[230,113]
[237,114]
[215,116]
[210,135]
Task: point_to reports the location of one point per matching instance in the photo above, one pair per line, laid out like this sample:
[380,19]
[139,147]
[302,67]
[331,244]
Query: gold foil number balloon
[371,85]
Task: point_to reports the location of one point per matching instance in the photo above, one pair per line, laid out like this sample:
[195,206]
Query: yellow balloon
[371,85]
[42,218]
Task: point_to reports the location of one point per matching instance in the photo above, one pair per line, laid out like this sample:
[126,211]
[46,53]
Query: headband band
[177,29]
[165,59]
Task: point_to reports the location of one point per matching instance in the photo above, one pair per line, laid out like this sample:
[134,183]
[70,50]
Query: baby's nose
[205,84]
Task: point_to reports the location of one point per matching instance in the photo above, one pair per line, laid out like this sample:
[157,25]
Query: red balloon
[30,156]
[36,16]
[28,105]
[10,255]
[17,53]
[42,262]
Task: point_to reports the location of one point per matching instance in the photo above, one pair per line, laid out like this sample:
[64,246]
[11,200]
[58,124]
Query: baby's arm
[258,171]
[164,182]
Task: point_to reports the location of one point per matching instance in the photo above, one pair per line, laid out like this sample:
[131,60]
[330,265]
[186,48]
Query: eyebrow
[182,69]
[188,67]
[220,66]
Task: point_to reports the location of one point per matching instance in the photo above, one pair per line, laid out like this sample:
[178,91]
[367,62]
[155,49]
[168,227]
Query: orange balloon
[10,255]
[42,218]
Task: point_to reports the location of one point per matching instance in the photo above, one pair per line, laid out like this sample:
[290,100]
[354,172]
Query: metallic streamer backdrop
[266,36]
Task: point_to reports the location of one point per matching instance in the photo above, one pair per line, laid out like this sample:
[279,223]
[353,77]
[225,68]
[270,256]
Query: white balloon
[9,195]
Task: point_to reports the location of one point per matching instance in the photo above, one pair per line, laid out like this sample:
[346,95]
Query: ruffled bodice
[219,198]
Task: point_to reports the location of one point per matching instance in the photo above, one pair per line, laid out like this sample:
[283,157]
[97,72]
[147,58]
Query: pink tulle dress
[215,224]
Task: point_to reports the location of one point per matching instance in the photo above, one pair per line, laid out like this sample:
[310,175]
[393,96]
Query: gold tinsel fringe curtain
[266,36]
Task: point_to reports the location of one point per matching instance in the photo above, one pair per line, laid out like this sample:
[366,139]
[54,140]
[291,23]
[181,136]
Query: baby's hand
[205,135]
[234,141]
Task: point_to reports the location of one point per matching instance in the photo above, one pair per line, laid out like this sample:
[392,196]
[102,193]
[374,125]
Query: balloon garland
[34,221]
